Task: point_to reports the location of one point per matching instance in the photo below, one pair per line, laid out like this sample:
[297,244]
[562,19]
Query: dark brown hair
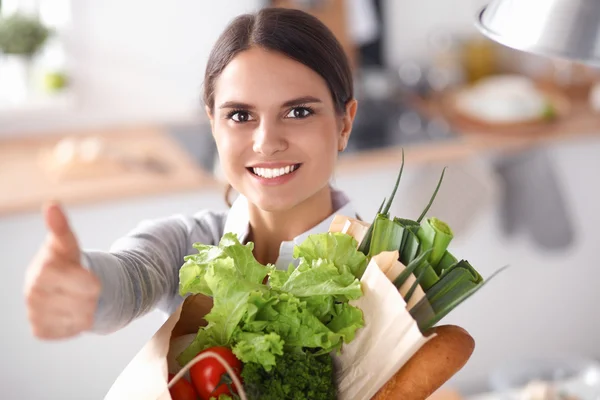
[294,33]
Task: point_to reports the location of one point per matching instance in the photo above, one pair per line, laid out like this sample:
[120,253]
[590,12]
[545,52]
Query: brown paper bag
[146,376]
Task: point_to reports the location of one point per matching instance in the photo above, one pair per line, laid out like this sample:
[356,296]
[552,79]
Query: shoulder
[204,226]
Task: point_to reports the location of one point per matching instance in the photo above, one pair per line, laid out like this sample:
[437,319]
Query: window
[41,82]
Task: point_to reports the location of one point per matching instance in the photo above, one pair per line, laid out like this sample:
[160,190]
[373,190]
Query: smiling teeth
[273,172]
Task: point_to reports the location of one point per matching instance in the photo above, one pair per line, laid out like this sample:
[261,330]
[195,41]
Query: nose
[268,139]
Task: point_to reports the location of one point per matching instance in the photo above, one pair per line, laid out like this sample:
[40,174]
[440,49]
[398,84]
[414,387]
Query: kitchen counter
[28,177]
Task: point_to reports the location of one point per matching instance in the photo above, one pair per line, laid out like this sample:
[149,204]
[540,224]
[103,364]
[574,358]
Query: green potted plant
[21,38]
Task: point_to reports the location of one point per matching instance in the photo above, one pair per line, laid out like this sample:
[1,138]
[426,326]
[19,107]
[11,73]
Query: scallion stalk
[410,268]
[365,244]
[437,235]
[414,285]
[446,262]
[387,236]
[443,305]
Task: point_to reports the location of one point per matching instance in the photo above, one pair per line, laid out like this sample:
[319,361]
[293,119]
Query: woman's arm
[140,272]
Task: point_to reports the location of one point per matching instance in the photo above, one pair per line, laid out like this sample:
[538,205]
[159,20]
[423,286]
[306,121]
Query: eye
[239,116]
[300,112]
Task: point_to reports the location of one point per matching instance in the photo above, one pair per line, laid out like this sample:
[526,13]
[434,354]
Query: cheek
[230,146]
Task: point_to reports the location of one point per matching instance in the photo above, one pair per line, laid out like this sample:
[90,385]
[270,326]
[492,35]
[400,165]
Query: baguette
[434,364]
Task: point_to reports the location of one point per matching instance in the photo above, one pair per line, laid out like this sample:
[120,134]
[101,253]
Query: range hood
[558,29]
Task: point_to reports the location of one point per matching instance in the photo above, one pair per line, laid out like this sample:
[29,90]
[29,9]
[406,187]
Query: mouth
[272,173]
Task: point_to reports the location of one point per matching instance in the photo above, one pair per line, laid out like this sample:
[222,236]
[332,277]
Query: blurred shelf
[26,182]
[469,141]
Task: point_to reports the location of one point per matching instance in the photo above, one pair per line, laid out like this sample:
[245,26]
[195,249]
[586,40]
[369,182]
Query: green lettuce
[305,307]
[339,248]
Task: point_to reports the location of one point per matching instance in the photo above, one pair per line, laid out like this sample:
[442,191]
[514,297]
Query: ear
[211,118]
[347,121]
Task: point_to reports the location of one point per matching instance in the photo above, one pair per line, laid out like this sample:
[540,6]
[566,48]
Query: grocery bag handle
[228,368]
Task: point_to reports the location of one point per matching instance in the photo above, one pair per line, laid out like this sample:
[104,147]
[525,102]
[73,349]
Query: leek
[365,243]
[437,235]
[422,246]
[446,262]
[383,211]
[464,264]
[410,247]
[430,278]
[432,197]
[400,279]
[442,305]
[413,287]
[387,236]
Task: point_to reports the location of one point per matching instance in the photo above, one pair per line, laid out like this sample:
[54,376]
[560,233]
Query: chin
[272,202]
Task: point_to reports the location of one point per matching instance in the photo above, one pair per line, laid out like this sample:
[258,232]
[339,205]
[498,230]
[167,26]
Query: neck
[269,229]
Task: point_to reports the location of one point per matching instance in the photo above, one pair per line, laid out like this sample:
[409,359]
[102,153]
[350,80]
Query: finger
[54,327]
[76,282]
[432,365]
[58,302]
[60,315]
[62,239]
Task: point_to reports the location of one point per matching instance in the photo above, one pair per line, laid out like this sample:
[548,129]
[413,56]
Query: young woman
[279,95]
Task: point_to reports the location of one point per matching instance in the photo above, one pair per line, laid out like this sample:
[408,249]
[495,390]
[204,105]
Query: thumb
[62,239]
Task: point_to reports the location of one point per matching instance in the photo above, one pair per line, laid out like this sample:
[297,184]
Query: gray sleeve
[140,272]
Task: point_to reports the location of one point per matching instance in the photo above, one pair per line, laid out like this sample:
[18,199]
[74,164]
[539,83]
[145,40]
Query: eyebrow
[289,103]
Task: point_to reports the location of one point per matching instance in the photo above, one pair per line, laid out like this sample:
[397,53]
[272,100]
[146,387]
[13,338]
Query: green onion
[410,246]
[444,304]
[413,287]
[399,281]
[391,199]
[422,247]
[430,278]
[365,244]
[464,264]
[432,197]
[446,262]
[437,235]
[387,236]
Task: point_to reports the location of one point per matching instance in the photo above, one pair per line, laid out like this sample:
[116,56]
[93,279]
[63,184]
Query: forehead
[262,77]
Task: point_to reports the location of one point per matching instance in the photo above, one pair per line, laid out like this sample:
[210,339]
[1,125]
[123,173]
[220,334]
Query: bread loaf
[434,364]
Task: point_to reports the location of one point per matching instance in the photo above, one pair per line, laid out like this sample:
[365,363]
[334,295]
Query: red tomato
[182,389]
[208,375]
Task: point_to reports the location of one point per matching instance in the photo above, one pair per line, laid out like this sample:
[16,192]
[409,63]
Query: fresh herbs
[297,375]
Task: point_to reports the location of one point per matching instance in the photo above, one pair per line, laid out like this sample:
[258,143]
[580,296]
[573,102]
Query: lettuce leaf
[305,307]
[258,348]
[339,248]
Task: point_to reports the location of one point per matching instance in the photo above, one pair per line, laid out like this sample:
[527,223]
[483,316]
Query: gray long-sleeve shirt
[140,272]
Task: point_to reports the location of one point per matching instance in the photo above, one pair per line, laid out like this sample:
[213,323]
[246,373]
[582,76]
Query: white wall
[143,61]
[410,24]
[135,62]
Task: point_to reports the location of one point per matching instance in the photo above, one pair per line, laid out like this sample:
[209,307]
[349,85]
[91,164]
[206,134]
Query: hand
[435,363]
[61,296]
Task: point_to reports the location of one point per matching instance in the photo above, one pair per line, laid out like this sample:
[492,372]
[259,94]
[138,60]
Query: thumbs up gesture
[61,296]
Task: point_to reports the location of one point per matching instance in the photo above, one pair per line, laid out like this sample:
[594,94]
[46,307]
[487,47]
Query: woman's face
[276,129]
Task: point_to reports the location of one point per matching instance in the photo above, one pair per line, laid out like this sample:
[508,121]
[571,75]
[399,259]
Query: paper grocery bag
[146,376]
[380,349]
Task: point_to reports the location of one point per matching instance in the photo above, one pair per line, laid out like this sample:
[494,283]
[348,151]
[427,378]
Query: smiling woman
[279,96]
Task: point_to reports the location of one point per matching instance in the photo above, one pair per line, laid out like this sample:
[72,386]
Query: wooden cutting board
[29,175]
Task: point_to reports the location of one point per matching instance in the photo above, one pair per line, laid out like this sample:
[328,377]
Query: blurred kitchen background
[100,107]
